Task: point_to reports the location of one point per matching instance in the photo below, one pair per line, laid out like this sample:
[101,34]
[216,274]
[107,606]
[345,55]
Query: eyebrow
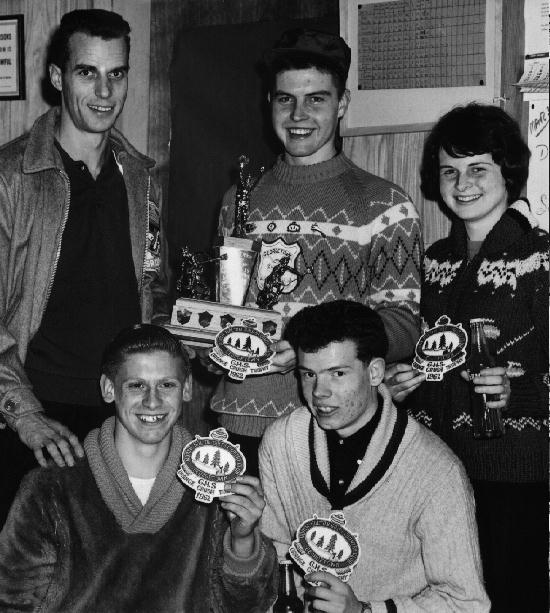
[321,92]
[92,67]
[331,369]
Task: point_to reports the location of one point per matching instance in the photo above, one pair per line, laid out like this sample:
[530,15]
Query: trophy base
[197,322]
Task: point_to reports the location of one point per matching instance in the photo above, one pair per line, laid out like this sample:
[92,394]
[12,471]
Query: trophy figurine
[198,320]
[235,271]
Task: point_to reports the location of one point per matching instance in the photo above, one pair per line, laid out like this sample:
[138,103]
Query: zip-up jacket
[34,206]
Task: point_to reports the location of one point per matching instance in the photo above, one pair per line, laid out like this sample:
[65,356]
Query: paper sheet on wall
[537,139]
[534,81]
[535,13]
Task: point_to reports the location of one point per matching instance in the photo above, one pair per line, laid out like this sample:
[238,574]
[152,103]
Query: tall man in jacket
[118,531]
[401,489]
[79,236]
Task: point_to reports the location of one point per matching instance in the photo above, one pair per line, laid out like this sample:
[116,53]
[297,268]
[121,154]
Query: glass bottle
[486,421]
[287,597]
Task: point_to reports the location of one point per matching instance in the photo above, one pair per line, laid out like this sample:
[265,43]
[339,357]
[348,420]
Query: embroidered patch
[242,350]
[327,545]
[440,349]
[271,254]
[208,462]
[293,227]
[152,240]
[271,226]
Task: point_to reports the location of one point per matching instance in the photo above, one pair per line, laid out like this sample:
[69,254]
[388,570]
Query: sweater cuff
[379,606]
[243,567]
[18,403]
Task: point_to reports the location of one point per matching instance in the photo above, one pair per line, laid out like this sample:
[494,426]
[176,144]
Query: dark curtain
[219,111]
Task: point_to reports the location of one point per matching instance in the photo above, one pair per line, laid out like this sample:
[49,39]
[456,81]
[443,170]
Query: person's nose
[320,388]
[103,87]
[152,399]
[463,181]
[299,111]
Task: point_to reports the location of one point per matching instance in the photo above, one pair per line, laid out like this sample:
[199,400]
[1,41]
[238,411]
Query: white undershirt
[142,487]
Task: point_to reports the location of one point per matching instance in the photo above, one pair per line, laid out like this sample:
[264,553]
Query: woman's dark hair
[315,327]
[476,129]
[94,22]
[141,338]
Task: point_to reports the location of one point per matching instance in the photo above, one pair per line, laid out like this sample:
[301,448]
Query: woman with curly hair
[494,266]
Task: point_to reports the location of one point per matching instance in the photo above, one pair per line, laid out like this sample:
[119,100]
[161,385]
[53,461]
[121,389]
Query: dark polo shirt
[94,292]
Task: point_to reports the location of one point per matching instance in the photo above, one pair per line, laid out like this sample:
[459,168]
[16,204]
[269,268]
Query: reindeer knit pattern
[349,235]
[506,284]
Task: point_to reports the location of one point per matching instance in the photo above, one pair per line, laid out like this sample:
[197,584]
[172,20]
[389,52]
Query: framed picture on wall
[12,58]
[413,60]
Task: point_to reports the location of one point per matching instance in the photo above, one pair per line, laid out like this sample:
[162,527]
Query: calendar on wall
[413,60]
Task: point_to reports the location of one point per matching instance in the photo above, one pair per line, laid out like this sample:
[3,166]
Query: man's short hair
[476,129]
[301,48]
[314,328]
[141,338]
[94,22]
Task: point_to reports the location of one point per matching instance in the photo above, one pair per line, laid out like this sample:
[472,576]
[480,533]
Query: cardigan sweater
[410,503]
[350,235]
[79,540]
[506,284]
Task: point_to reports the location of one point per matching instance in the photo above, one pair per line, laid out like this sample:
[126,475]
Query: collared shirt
[346,454]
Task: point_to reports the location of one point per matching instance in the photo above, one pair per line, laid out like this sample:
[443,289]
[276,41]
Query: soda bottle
[287,597]
[486,421]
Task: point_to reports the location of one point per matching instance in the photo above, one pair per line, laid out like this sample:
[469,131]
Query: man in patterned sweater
[345,234]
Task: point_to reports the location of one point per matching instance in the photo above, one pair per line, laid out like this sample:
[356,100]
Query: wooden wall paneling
[134,119]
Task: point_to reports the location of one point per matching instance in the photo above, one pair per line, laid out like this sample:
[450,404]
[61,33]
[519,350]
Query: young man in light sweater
[118,531]
[347,234]
[400,488]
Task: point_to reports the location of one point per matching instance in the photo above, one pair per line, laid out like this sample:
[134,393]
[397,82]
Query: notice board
[413,60]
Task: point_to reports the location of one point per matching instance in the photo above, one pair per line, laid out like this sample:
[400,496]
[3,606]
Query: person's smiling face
[148,391]
[340,390]
[305,110]
[474,189]
[94,82]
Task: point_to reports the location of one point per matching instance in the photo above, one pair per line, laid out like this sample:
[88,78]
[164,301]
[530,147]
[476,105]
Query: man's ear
[377,367]
[107,388]
[56,76]
[343,103]
[187,391]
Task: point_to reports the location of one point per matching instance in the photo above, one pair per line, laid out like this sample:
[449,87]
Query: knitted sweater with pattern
[506,284]
[410,503]
[348,235]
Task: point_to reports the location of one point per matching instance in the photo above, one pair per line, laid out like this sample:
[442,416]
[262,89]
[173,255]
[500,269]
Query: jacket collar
[511,227]
[41,154]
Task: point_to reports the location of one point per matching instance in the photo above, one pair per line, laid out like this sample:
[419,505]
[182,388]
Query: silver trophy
[196,319]
[237,253]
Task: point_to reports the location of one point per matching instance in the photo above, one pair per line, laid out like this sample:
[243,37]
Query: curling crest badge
[440,349]
[242,350]
[326,544]
[208,462]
